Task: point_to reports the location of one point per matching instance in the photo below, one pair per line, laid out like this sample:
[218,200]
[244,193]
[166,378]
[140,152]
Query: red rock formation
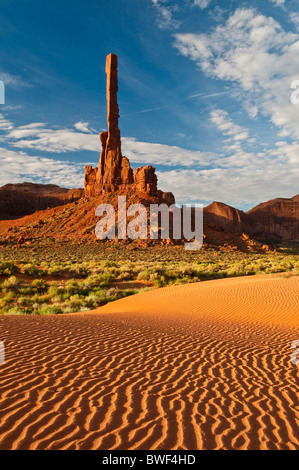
[145,180]
[228,218]
[18,200]
[275,220]
[126,171]
[114,172]
[272,221]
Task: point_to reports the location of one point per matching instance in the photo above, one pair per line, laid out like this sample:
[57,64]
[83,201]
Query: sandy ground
[199,366]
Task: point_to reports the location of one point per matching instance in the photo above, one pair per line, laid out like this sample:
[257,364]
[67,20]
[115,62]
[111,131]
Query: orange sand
[200,366]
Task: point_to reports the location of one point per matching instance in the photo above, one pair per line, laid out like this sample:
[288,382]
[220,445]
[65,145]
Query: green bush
[40,284]
[50,310]
[34,271]
[8,298]
[98,280]
[72,287]
[8,269]
[15,311]
[11,283]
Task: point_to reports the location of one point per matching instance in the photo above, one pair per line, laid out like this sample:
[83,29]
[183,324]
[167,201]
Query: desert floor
[197,366]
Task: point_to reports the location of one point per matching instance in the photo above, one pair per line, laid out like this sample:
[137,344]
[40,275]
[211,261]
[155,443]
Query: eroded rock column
[113,158]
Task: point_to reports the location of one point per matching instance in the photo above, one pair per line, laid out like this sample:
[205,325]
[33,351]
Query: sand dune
[201,366]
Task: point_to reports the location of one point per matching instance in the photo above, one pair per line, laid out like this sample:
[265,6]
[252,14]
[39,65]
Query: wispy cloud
[37,136]
[60,141]
[202,3]
[294,17]
[278,3]
[13,81]
[5,124]
[206,95]
[191,175]
[17,167]
[148,110]
[220,118]
[257,56]
[158,154]
[165,12]
[245,184]
[83,127]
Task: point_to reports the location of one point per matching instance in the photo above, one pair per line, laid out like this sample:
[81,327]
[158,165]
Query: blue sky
[204,93]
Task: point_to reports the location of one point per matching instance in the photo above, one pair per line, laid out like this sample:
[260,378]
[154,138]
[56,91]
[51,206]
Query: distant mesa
[114,173]
[275,220]
[18,200]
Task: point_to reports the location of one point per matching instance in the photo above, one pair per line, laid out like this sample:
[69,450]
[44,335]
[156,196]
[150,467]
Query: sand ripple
[202,366]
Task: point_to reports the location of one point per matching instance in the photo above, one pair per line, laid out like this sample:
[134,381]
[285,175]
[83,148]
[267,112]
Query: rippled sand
[200,366]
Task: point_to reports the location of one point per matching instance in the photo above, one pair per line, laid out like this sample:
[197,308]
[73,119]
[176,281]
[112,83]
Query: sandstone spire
[114,172]
[112,105]
[109,172]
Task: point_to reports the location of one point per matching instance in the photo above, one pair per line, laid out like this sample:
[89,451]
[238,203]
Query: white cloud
[278,3]
[255,54]
[157,154]
[294,17]
[12,80]
[5,124]
[223,123]
[37,136]
[242,179]
[83,127]
[17,167]
[165,18]
[236,177]
[202,3]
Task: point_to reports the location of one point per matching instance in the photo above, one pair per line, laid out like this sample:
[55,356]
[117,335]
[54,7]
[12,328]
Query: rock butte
[114,173]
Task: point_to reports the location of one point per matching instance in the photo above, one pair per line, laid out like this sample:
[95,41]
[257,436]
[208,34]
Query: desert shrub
[112,291]
[8,269]
[92,301]
[8,298]
[25,290]
[127,292]
[75,301]
[186,270]
[39,284]
[15,311]
[58,271]
[11,283]
[24,301]
[53,289]
[101,295]
[34,271]
[137,268]
[72,287]
[40,299]
[98,280]
[144,275]
[112,294]
[50,310]
[125,276]
[79,271]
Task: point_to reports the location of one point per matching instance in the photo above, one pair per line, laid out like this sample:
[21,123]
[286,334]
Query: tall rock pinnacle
[109,172]
[114,172]
[112,105]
